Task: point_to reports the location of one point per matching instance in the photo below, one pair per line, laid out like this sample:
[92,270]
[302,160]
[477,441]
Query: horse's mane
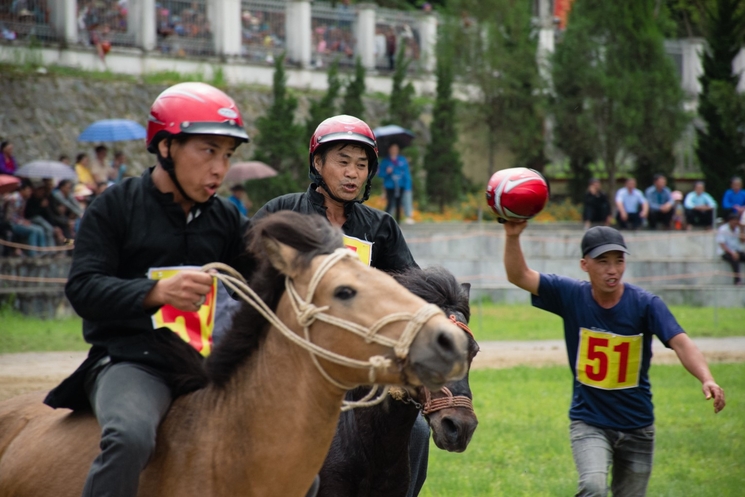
[310,236]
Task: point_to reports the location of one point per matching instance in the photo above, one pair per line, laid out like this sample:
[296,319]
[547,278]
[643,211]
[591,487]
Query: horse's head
[371,328]
[450,410]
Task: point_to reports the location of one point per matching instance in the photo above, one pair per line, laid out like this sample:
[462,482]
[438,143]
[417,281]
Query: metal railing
[183,28]
[25,20]
[395,28]
[333,33]
[263,29]
[103,23]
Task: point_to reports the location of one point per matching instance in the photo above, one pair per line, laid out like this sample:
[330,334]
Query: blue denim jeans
[32,234]
[628,454]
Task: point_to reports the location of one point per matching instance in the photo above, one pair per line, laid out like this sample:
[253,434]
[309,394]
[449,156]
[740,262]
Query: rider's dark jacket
[129,229]
[389,249]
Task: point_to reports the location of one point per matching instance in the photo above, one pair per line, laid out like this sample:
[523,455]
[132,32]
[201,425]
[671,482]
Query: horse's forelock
[311,235]
[438,286]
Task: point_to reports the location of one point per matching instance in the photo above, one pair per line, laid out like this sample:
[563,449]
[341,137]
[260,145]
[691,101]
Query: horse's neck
[269,428]
[385,431]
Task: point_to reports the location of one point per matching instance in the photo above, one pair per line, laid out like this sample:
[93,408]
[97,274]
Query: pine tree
[326,106]
[402,110]
[442,161]
[616,93]
[278,141]
[352,104]
[497,54]
[720,148]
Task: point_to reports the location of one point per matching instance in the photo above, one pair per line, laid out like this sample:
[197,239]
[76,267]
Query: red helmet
[193,108]
[344,128]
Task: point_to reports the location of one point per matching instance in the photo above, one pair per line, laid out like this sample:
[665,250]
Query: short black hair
[80,156]
[657,176]
[101,147]
[25,183]
[237,188]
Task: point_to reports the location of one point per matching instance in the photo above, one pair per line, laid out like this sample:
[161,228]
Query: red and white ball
[517,193]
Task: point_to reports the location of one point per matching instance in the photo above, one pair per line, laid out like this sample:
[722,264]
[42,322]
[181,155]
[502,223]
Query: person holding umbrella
[8,164]
[396,175]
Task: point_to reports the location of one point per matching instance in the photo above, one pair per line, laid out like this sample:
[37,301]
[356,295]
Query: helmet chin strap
[170,167]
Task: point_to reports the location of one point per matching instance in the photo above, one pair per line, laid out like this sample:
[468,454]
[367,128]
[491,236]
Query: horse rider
[343,157]
[166,218]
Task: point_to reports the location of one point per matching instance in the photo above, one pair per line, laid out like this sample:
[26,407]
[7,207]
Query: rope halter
[449,401]
[307,313]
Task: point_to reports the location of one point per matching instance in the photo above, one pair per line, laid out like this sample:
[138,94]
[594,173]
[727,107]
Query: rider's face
[344,171]
[201,163]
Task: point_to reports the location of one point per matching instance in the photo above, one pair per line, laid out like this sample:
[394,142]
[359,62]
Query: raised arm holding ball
[608,330]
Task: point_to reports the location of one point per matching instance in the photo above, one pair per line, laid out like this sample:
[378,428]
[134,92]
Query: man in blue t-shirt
[608,328]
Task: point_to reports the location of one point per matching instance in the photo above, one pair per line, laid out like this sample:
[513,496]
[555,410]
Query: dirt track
[26,372]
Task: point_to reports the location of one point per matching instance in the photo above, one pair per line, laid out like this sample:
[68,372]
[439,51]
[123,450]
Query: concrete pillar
[225,20]
[545,38]
[365,48]
[428,40]
[299,38]
[142,23]
[64,19]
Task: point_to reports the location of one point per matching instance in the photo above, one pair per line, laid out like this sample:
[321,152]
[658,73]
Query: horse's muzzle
[438,354]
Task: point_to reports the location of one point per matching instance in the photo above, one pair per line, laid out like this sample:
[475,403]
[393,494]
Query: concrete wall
[681,266]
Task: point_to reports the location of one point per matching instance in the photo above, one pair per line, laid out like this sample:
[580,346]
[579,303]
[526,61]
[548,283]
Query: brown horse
[264,422]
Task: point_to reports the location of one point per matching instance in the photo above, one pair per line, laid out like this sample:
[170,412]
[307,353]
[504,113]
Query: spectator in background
[661,203]
[730,246]
[596,210]
[394,170]
[100,164]
[8,164]
[15,205]
[63,195]
[65,159]
[39,211]
[239,198]
[390,48]
[734,198]
[679,213]
[118,167]
[83,195]
[632,206]
[700,207]
[85,177]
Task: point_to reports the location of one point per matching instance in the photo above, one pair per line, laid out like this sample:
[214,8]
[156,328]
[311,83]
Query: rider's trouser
[129,401]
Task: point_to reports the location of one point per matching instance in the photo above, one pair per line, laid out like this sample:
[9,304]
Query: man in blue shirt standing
[734,198]
[660,203]
[608,330]
[632,206]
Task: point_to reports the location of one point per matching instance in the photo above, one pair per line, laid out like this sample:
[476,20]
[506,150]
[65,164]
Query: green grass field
[522,322]
[488,321]
[521,446]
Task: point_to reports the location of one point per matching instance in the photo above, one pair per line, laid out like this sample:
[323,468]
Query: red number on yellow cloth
[194,327]
[608,361]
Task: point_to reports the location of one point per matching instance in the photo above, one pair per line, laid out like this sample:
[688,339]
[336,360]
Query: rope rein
[307,313]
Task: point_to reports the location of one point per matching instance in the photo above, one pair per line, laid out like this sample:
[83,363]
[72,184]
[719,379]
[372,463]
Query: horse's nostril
[449,427]
[445,342]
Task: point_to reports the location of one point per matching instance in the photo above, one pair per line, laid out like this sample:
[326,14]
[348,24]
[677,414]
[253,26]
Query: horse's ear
[466,288]
[281,256]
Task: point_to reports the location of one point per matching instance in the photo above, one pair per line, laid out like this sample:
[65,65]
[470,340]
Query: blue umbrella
[390,134]
[112,130]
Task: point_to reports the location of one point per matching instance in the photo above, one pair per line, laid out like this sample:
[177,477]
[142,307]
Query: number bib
[194,327]
[608,361]
[361,247]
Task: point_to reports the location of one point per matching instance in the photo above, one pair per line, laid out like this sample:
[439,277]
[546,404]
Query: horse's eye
[344,293]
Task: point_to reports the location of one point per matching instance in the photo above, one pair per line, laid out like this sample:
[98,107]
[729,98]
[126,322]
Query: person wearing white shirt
[700,207]
[632,206]
[730,244]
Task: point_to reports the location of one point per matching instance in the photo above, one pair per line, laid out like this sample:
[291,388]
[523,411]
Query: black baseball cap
[602,239]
